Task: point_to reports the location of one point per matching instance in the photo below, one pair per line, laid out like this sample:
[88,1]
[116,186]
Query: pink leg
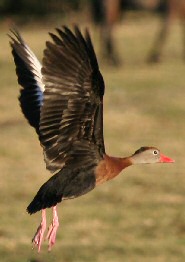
[51,236]
[38,237]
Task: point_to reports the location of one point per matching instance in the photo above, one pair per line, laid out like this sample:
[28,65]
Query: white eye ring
[155,152]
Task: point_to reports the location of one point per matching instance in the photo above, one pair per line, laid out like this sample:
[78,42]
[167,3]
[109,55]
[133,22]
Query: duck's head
[149,155]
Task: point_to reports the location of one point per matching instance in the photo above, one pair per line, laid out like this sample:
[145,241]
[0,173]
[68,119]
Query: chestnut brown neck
[118,163]
[110,167]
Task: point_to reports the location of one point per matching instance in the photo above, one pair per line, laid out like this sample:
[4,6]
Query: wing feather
[71,124]
[28,70]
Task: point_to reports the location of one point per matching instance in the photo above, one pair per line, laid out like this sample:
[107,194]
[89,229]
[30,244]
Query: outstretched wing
[71,124]
[28,70]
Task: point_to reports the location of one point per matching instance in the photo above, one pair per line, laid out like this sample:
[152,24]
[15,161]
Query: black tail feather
[66,184]
[47,196]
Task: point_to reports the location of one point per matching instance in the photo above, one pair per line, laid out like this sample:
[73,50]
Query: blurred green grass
[139,216]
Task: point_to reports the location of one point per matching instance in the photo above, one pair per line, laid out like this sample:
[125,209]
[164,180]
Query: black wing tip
[66,29]
[15,38]
[74,31]
[75,36]
[14,32]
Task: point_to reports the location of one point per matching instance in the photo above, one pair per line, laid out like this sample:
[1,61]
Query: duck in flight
[63,100]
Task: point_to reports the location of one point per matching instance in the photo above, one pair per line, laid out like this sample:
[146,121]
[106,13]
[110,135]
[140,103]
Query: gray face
[147,155]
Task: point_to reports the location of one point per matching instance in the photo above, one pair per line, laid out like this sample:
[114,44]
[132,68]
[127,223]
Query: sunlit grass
[140,216]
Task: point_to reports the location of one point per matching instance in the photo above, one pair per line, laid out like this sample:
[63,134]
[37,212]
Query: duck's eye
[155,152]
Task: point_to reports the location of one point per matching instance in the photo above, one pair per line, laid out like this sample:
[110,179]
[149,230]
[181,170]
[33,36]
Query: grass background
[139,216]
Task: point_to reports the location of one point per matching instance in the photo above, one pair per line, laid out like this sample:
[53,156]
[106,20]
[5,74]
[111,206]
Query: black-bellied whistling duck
[63,101]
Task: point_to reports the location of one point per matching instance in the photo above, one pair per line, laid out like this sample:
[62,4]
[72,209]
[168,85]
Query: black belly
[66,184]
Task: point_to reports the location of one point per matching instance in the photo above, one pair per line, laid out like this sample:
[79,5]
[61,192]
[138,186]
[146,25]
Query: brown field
[139,216]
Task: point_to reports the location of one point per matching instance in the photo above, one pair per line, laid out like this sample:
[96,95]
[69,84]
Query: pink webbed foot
[51,235]
[38,237]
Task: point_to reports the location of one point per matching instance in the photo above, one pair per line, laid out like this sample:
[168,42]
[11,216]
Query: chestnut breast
[110,167]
